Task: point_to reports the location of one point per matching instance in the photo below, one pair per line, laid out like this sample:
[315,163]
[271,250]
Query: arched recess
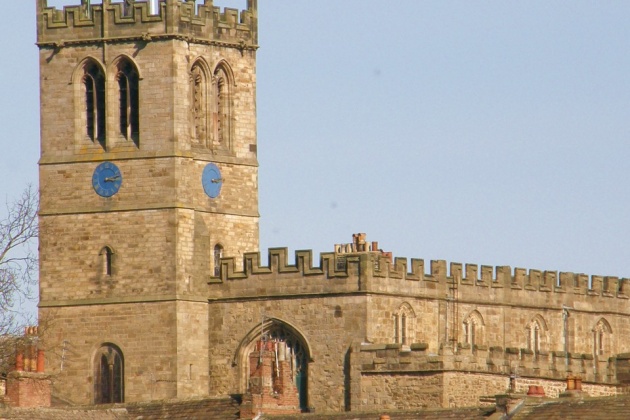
[474,329]
[89,81]
[223,84]
[536,334]
[125,113]
[199,102]
[602,338]
[109,371]
[404,324]
[274,328]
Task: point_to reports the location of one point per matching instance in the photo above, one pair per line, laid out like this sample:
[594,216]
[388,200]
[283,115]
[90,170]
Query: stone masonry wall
[439,306]
[161,226]
[145,333]
[327,325]
[382,374]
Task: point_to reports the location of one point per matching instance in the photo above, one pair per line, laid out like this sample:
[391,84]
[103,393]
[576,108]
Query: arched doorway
[300,354]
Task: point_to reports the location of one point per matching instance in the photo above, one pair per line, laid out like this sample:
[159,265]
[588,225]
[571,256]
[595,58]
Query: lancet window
[222,112]
[128,93]
[94,86]
[199,103]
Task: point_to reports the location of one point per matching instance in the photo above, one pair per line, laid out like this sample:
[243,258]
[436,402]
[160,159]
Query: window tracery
[473,329]
[601,337]
[403,319]
[109,375]
[536,334]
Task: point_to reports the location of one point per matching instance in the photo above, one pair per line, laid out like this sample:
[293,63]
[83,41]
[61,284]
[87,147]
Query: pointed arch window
[199,105]
[473,329]
[218,254]
[536,334]
[533,337]
[602,334]
[94,85]
[129,101]
[403,324]
[222,113]
[109,375]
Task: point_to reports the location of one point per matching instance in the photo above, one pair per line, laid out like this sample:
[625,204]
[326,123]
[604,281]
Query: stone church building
[151,282]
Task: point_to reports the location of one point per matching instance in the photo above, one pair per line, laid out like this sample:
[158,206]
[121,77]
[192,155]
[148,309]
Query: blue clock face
[211,180]
[106,179]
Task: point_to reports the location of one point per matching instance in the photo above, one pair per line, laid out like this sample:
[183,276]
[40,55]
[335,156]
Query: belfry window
[109,375]
[199,105]
[222,113]
[129,101]
[94,83]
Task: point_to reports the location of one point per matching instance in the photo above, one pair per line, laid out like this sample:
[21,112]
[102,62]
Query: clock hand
[112,178]
[217,181]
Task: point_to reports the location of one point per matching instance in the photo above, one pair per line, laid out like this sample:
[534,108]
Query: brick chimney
[28,385]
[272,388]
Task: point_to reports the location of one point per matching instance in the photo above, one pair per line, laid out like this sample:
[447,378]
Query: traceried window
[473,329]
[536,334]
[199,101]
[533,337]
[128,92]
[94,86]
[601,338]
[218,254]
[109,375]
[404,319]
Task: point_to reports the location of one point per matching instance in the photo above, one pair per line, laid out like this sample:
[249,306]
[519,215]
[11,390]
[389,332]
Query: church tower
[148,174]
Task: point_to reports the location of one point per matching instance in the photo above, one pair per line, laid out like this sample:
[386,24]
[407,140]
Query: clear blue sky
[494,132]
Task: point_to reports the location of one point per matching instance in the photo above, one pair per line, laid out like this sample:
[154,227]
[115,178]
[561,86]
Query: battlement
[114,21]
[510,368]
[374,272]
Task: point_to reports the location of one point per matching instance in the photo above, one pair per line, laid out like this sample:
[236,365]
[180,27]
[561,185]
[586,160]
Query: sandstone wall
[326,325]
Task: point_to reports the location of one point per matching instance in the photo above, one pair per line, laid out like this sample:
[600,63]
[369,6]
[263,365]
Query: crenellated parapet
[138,20]
[374,272]
[392,359]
